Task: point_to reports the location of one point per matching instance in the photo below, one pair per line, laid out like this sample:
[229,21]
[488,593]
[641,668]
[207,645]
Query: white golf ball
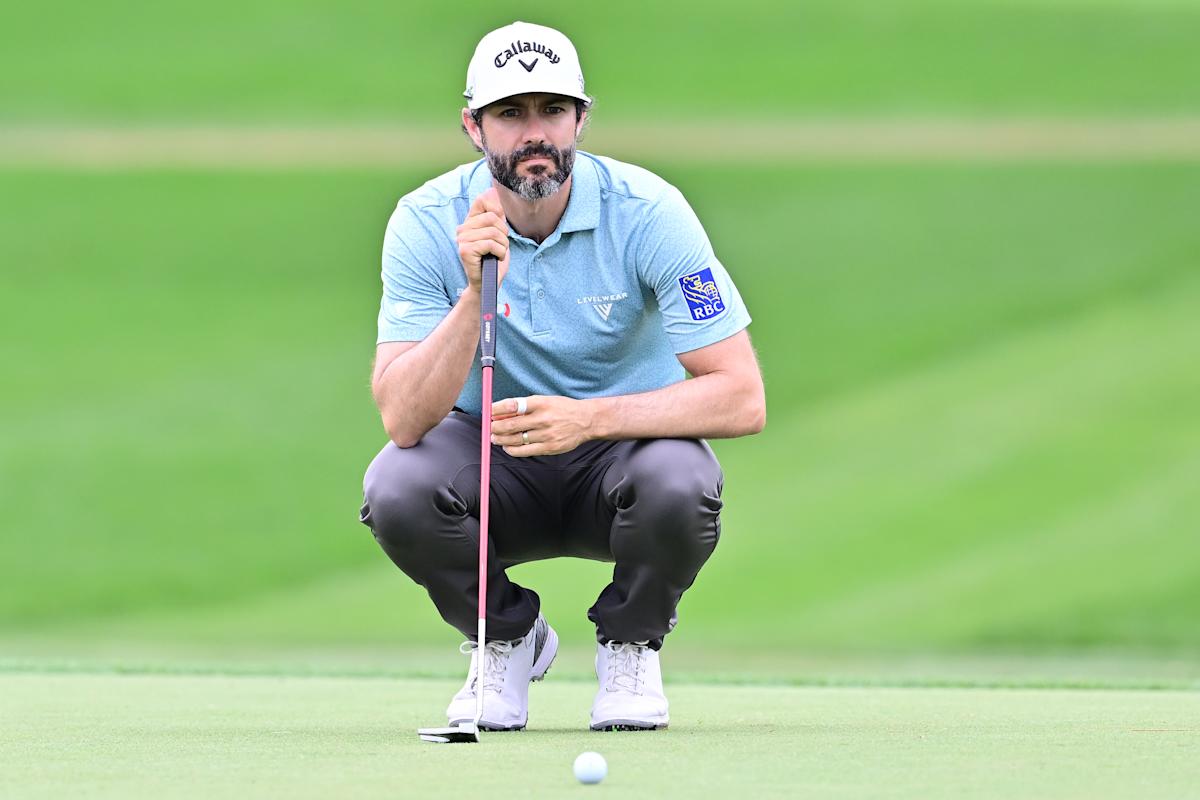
[590,767]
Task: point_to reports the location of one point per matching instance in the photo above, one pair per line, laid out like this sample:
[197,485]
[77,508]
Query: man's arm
[723,400]
[415,384]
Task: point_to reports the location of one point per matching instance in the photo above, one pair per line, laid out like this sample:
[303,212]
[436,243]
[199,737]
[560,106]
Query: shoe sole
[628,725]
[540,668]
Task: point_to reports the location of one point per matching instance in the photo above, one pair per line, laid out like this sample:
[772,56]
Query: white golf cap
[521,58]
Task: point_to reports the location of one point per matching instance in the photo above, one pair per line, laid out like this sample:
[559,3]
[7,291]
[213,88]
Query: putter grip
[487,311]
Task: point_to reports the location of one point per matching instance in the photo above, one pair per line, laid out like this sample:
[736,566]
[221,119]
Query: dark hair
[477,115]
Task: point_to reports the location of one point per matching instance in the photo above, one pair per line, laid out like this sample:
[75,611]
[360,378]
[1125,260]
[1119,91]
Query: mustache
[545,150]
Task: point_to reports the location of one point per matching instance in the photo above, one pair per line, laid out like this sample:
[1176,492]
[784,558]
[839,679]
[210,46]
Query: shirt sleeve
[415,297]
[697,299]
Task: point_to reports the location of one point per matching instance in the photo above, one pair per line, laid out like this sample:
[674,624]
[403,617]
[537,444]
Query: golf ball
[590,767]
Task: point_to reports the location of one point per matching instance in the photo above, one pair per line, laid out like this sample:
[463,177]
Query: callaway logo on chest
[603,303]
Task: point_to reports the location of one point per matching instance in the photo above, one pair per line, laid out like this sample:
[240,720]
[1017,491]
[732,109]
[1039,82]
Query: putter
[469,731]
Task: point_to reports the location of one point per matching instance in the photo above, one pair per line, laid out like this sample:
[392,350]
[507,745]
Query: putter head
[463,732]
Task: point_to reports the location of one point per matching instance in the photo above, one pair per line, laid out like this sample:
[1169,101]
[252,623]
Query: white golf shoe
[508,669]
[631,693]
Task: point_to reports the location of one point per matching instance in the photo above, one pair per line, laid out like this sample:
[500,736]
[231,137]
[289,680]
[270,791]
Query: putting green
[99,735]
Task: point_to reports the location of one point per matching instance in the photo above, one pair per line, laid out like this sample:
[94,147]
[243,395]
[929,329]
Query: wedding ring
[524,437]
[522,405]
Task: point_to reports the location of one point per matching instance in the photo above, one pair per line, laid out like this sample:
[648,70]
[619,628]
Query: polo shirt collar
[583,209]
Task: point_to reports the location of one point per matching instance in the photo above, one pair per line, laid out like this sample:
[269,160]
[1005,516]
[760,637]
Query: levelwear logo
[516,48]
[603,303]
[700,291]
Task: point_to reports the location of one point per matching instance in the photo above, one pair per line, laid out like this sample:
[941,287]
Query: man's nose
[535,132]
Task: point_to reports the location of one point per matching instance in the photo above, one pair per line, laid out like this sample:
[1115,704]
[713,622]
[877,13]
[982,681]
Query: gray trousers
[652,506]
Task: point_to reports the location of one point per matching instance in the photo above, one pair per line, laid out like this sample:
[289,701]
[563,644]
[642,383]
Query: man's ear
[581,125]
[472,129]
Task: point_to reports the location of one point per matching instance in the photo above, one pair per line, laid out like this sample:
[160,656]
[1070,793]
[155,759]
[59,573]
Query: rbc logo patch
[700,291]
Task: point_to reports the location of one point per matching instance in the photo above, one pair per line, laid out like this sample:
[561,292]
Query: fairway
[99,735]
[985,442]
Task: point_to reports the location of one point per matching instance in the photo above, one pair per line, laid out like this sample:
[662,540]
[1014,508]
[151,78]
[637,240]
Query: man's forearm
[714,406]
[419,388]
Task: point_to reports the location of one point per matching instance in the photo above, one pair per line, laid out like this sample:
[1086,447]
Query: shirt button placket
[537,303]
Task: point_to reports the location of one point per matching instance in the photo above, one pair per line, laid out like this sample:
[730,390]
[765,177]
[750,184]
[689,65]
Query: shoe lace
[626,666]
[495,663]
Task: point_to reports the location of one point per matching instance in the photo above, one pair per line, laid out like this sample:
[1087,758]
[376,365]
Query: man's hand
[551,425]
[484,231]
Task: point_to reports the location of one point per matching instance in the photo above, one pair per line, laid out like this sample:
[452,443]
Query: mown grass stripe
[58,667]
[678,141]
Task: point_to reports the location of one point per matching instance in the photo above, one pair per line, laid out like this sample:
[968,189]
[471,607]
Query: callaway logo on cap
[523,58]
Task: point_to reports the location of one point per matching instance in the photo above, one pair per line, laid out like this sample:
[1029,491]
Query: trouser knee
[672,489]
[404,500]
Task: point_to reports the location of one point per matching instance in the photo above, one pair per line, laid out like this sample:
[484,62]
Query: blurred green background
[983,448]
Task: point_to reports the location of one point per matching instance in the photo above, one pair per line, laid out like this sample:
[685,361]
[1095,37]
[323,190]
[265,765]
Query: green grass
[270,61]
[190,736]
[981,387]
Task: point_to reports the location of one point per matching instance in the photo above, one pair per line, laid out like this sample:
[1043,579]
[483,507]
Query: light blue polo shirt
[600,308]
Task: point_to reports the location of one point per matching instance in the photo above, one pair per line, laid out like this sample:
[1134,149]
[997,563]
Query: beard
[541,182]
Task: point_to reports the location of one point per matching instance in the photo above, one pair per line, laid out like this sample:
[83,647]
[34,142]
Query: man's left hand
[551,425]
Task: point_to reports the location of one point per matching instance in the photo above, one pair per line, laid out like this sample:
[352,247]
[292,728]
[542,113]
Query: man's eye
[509,112]
[554,109]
